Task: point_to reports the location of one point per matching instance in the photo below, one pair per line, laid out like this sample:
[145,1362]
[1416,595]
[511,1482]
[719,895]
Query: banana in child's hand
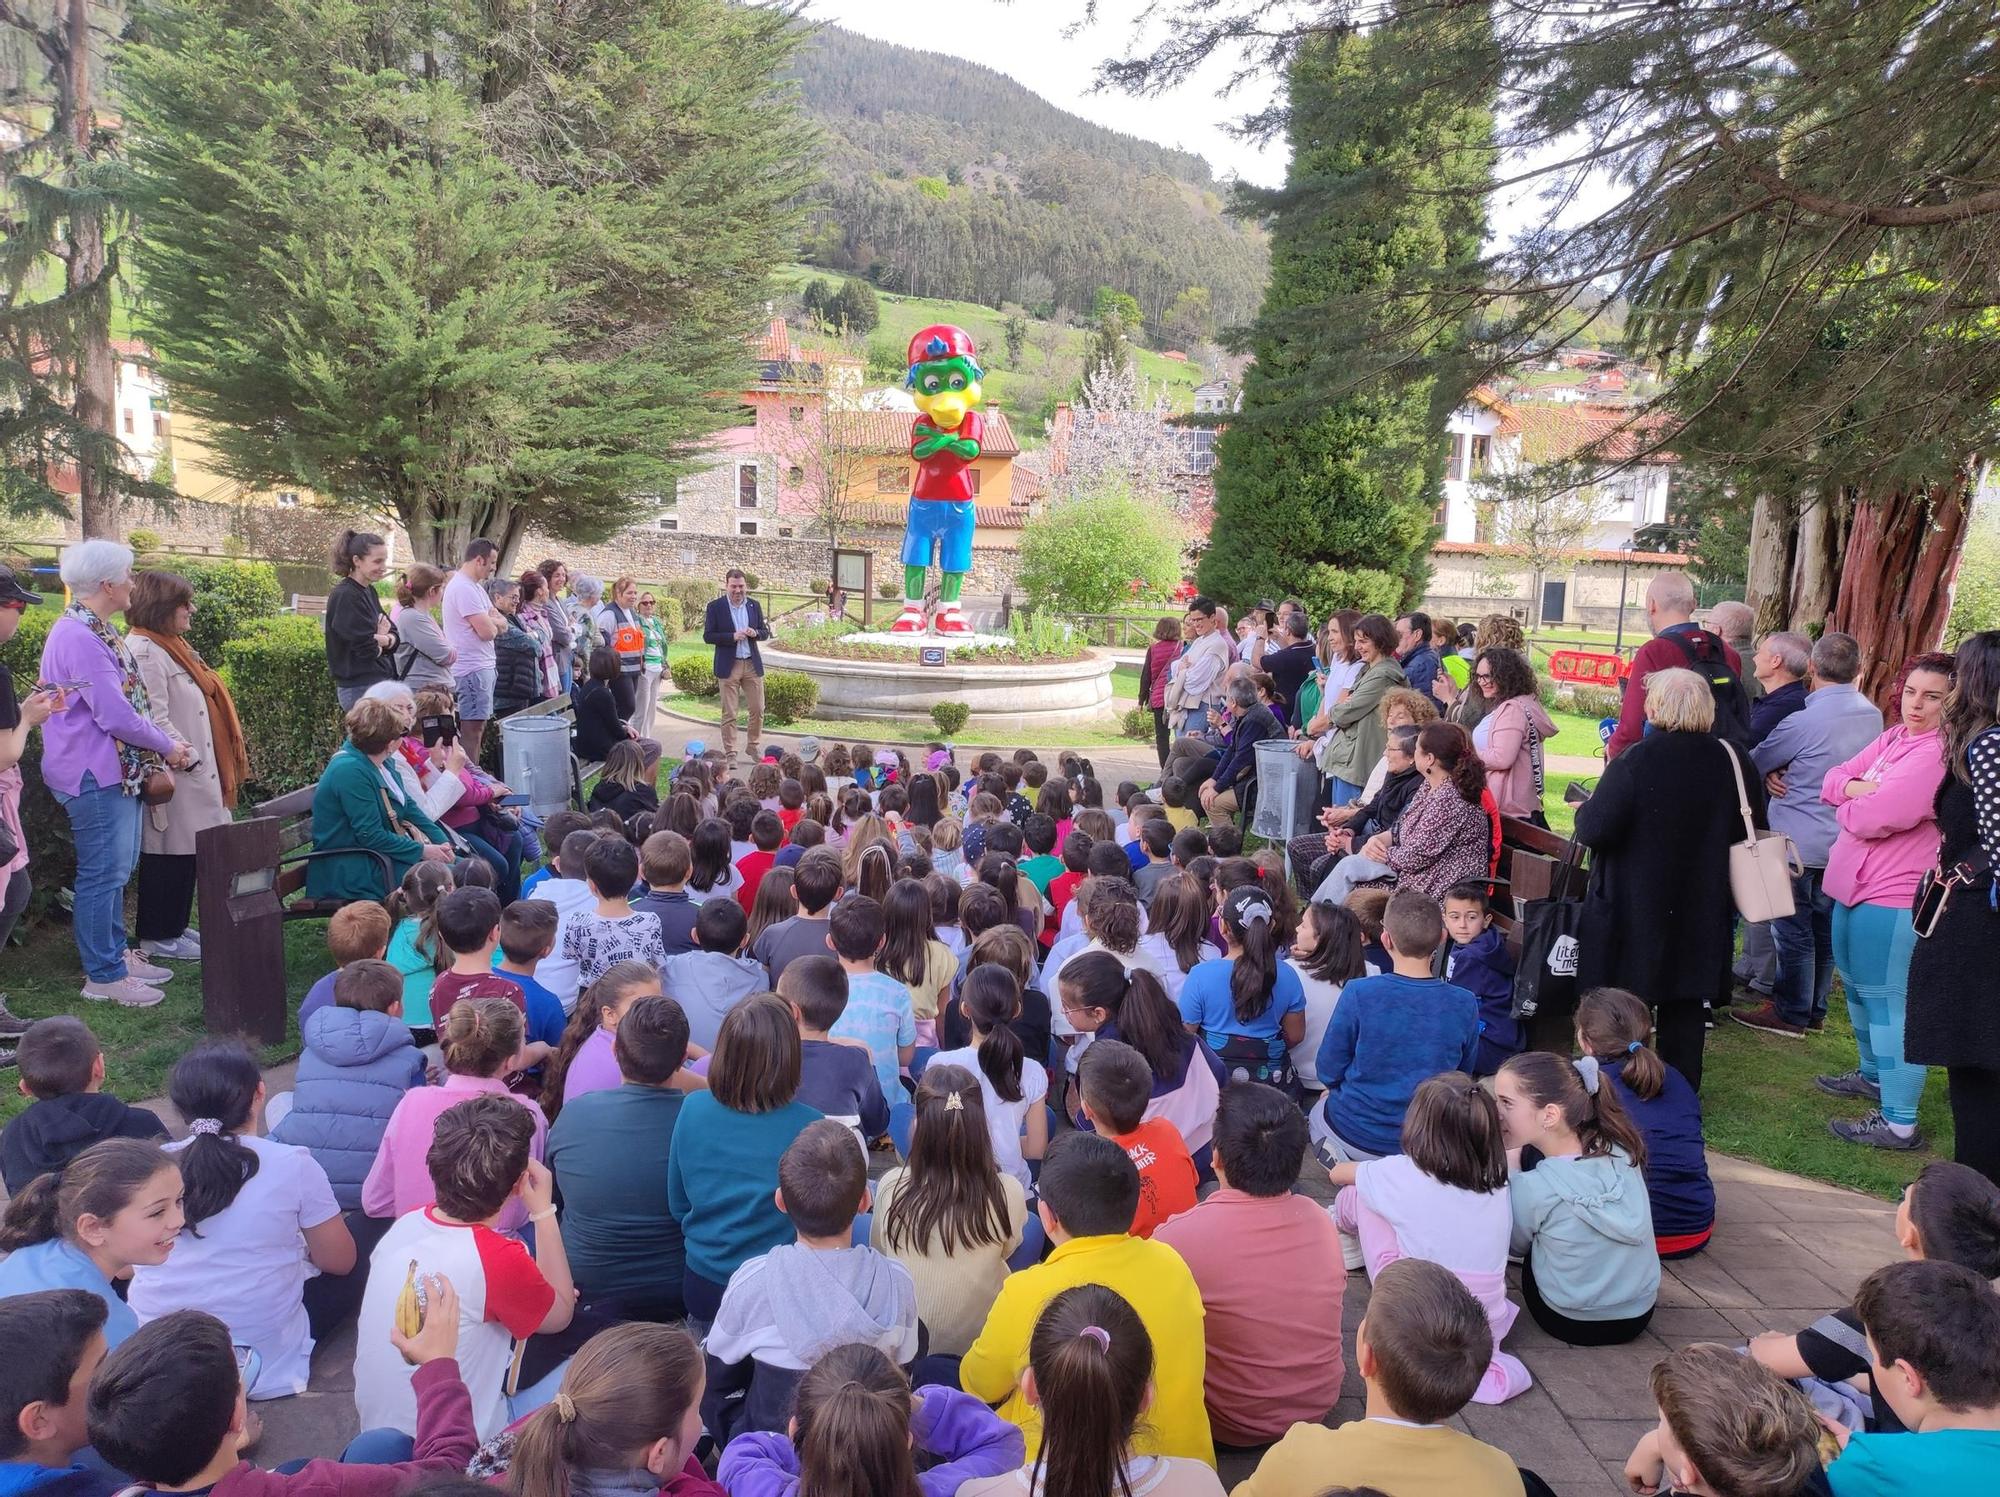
[409,1309]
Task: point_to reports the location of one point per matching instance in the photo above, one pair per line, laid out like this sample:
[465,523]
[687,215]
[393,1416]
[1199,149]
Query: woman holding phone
[18,719]
[189,703]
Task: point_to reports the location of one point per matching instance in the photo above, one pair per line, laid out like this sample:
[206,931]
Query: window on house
[159,425]
[129,427]
[668,522]
[1482,452]
[288,499]
[1455,464]
[973,475]
[746,485]
[746,527]
[892,478]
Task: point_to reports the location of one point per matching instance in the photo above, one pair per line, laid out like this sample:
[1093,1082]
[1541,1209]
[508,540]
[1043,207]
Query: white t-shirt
[247,1264]
[1462,1230]
[1321,996]
[1004,1119]
[557,972]
[1157,956]
[465,599]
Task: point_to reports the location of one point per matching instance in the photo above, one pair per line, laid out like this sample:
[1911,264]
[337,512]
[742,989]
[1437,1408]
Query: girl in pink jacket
[1888,838]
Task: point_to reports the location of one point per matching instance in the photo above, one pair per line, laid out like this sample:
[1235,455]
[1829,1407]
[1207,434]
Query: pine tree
[458,262]
[1326,483]
[855,309]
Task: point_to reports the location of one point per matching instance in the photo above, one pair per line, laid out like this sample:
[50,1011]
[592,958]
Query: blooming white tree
[1121,440]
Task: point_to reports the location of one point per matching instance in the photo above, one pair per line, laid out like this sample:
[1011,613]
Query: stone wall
[1465,585]
[261,531]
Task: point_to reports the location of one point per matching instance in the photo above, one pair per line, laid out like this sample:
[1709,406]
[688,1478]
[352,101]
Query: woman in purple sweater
[95,756]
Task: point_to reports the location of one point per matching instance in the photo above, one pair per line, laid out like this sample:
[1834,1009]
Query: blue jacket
[719,629]
[25,1479]
[1421,667]
[1677,1179]
[1239,760]
[356,1066]
[1484,969]
[1836,723]
[1388,1035]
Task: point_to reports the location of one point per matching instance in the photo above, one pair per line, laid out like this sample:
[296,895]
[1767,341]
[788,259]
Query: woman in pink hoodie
[1888,838]
[1510,736]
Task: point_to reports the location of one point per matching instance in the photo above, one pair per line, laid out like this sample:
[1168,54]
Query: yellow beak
[947,410]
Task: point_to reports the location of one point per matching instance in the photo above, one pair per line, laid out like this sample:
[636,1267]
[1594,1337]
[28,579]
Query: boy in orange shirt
[1116,1084]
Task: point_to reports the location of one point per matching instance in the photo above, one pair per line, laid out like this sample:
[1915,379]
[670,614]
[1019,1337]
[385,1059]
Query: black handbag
[1545,982]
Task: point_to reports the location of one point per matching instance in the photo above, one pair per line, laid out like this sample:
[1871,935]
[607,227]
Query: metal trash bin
[1287,787]
[534,760]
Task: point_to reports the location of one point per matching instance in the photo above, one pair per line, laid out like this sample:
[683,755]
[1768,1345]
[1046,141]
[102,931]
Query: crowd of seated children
[110,1210]
[414,948]
[1583,1224]
[1949,1214]
[480,1162]
[1115,1085]
[481,1042]
[1444,1199]
[1613,1027]
[722,1176]
[1388,1035]
[609,1150]
[585,1061]
[258,1216]
[1089,1194]
[663,864]
[1476,959]
[879,1012]
[1248,1005]
[836,1077]
[59,1063]
[1014,1085]
[713,978]
[787,1307]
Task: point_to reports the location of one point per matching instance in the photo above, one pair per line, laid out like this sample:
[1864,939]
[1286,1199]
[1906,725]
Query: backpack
[1708,659]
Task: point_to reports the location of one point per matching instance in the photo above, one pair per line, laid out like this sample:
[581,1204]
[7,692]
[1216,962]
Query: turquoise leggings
[1871,947]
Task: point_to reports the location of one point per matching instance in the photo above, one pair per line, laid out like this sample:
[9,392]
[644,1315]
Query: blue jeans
[104,822]
[1804,940]
[1871,946]
[1345,792]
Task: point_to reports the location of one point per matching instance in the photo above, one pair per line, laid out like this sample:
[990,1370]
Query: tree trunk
[1895,588]
[96,374]
[1766,586]
[1816,555]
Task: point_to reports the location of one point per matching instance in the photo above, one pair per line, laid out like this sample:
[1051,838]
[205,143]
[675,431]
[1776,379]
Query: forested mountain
[948,179]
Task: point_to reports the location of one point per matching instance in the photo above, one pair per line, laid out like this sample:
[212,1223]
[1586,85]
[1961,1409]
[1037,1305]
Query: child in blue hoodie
[54,1340]
[1476,959]
[1583,1223]
[359,1060]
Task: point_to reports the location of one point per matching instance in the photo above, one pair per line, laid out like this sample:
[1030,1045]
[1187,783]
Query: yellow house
[880,470]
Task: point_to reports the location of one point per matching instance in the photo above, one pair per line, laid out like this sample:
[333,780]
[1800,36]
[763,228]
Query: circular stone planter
[1003,697]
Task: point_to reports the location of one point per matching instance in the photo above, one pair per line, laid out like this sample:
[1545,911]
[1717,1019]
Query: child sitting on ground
[481,1162]
[358,932]
[167,1409]
[527,937]
[1613,1026]
[858,1429]
[359,1059]
[1388,1035]
[480,1043]
[555,832]
[712,979]
[1727,1427]
[585,1061]
[835,1076]
[788,1307]
[1476,959]
[1174,798]
[468,926]
[1371,908]
[1583,1225]
[612,933]
[61,1066]
[55,1341]
[913,955]
[414,947]
[1949,1214]
[1422,1349]
[569,891]
[1090,1192]
[1444,1198]
[664,862]
[1014,1084]
[767,834]
[879,1011]
[1115,1084]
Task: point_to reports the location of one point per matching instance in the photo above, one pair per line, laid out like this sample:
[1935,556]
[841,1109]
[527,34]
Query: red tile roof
[889,431]
[1616,433]
[896,512]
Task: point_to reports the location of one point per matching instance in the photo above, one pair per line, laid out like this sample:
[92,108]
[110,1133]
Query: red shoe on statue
[951,621]
[910,620]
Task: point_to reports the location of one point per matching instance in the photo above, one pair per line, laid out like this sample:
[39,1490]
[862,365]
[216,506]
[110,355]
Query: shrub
[1137,722]
[668,611]
[1596,701]
[789,695]
[694,678]
[144,542]
[888,591]
[951,717]
[751,580]
[1082,556]
[228,596]
[1325,589]
[51,854]
[693,593]
[285,697]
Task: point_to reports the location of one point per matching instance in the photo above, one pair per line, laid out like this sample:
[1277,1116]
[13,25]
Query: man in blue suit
[734,623]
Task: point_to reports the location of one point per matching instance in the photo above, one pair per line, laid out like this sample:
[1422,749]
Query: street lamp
[1624,570]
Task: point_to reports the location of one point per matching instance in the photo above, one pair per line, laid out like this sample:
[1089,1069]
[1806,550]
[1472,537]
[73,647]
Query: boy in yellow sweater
[1422,1349]
[1089,1193]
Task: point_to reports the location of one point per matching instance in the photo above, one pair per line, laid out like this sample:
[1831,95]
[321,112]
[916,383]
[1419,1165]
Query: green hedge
[694,594]
[291,717]
[228,597]
[51,854]
[1137,722]
[668,611]
[789,695]
[694,678]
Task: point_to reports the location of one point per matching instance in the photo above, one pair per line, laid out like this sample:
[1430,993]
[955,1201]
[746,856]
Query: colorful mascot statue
[944,442]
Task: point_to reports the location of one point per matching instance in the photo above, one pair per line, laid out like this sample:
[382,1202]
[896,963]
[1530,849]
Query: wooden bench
[312,604]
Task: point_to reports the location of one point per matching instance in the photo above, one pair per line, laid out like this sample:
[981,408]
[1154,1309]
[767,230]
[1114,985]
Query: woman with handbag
[1885,799]
[1954,1002]
[358,808]
[423,658]
[188,701]
[18,718]
[1659,915]
[101,759]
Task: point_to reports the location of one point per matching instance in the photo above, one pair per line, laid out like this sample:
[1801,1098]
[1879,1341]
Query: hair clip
[1253,912]
[953,1102]
[1098,1334]
[565,1408]
[1587,1071]
[201,1126]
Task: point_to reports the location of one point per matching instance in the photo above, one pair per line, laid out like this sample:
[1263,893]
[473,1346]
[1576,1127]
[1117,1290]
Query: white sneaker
[127,992]
[145,971]
[179,949]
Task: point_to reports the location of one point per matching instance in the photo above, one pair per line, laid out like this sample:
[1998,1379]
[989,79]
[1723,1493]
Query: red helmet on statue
[941,341]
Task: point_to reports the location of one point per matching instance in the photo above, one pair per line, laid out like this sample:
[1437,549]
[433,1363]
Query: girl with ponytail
[1176,939]
[1583,1223]
[257,1213]
[950,1214]
[360,640]
[1013,1084]
[857,1431]
[1090,1373]
[1101,996]
[1615,1028]
[1248,1004]
[584,1061]
[627,1419]
[114,1207]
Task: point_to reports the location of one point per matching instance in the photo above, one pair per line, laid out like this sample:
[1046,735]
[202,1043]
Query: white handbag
[1763,864]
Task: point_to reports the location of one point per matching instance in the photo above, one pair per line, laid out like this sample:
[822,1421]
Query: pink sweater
[399,1182]
[1888,839]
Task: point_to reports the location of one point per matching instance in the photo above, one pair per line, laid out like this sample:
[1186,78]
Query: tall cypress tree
[1328,478]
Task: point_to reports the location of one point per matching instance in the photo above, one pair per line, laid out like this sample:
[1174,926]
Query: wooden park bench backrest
[293,813]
